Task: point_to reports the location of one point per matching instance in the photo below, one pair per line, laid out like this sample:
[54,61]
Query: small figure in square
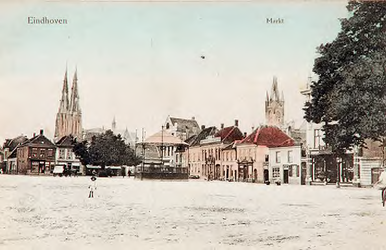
[92,187]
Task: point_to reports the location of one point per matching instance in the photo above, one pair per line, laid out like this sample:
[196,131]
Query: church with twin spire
[69,116]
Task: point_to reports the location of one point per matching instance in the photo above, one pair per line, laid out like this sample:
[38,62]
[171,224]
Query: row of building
[38,155]
[272,152]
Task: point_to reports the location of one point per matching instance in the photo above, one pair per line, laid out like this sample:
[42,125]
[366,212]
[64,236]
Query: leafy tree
[349,96]
[81,150]
[106,149]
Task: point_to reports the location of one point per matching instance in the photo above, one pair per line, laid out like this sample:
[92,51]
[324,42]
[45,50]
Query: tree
[81,150]
[104,150]
[349,97]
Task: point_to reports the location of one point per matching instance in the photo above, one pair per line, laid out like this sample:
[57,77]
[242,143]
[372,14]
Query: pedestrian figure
[92,187]
[129,173]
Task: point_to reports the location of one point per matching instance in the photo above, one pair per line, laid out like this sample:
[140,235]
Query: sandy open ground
[55,213]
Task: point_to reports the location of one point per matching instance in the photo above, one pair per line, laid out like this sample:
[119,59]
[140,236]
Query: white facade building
[285,164]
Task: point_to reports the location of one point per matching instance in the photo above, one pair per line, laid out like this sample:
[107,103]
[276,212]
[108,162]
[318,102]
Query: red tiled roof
[229,134]
[269,136]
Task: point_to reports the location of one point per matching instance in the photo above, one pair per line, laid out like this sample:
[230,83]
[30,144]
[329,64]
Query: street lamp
[337,172]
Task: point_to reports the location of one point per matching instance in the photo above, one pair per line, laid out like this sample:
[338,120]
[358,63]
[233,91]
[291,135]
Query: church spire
[114,124]
[63,107]
[275,90]
[74,102]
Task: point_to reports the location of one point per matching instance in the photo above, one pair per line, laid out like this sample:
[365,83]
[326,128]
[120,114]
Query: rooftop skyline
[140,62]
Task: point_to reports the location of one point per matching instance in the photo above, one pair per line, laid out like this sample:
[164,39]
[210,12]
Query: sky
[142,61]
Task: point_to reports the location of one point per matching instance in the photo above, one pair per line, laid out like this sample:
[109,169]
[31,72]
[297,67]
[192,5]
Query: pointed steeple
[74,101]
[114,124]
[64,105]
[275,90]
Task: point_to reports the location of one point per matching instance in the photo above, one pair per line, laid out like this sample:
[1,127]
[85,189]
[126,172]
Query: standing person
[382,182]
[129,173]
[92,187]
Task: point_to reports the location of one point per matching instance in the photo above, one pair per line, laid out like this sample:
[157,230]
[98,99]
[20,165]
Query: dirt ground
[56,213]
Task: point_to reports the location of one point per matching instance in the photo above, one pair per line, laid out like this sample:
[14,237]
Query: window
[50,152]
[297,170]
[34,152]
[266,158]
[69,153]
[61,153]
[278,157]
[290,171]
[317,138]
[227,156]
[290,157]
[276,172]
[42,153]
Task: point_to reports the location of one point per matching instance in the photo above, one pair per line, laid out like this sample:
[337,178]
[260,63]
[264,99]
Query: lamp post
[162,145]
[337,172]
[144,153]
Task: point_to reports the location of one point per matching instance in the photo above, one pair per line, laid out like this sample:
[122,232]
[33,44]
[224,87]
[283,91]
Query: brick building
[36,155]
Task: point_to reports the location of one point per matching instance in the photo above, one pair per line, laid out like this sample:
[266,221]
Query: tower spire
[63,107]
[74,103]
[275,90]
[114,124]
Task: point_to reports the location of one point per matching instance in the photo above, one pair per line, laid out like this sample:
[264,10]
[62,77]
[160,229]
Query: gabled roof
[270,136]
[65,141]
[210,131]
[229,134]
[11,144]
[165,138]
[184,125]
[191,139]
[38,140]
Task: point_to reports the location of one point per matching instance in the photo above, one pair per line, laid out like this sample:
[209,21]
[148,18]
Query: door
[285,176]
[303,174]
[266,175]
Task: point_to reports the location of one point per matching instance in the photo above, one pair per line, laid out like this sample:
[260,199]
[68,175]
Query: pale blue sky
[141,62]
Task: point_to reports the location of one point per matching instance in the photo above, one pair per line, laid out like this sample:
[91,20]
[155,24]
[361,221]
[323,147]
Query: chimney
[41,132]
[236,123]
[245,134]
[222,125]
[193,118]
[253,128]
[202,127]
[34,135]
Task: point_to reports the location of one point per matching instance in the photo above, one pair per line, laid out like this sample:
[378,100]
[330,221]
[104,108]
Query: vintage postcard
[192,124]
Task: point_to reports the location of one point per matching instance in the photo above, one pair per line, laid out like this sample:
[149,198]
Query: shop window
[276,172]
